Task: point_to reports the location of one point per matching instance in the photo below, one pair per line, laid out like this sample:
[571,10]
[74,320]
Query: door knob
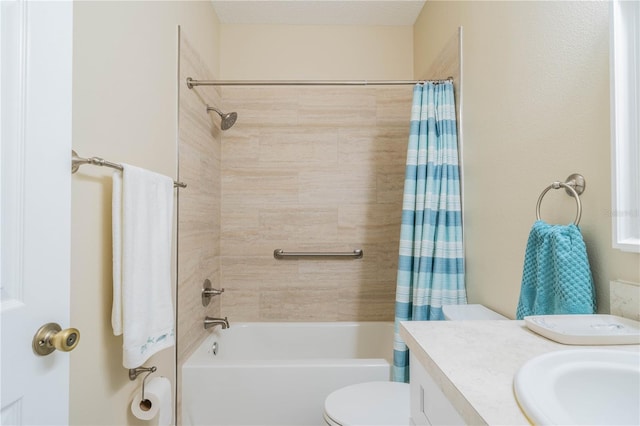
[51,337]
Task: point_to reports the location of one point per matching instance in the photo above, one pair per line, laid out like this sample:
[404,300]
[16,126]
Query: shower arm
[210,108]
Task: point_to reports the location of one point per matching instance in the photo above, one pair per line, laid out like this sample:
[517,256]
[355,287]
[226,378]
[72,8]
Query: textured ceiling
[318,12]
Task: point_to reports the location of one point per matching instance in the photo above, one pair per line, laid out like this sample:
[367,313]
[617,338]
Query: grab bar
[281,254]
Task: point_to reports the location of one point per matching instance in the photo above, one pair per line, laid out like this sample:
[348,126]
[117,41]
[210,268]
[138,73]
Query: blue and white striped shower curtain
[431,259]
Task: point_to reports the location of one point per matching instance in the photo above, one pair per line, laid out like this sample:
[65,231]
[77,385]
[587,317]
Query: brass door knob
[51,337]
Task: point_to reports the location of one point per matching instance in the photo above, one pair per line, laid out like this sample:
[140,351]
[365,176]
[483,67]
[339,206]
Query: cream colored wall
[535,109]
[272,52]
[125,110]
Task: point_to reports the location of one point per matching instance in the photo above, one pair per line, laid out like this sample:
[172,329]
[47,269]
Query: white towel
[142,304]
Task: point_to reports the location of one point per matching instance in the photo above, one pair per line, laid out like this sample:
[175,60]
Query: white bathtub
[280,373]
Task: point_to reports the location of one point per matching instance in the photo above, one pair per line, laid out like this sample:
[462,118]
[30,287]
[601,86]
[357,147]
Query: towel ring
[574,186]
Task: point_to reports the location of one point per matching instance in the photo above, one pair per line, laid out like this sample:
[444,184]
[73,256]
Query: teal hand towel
[556,278]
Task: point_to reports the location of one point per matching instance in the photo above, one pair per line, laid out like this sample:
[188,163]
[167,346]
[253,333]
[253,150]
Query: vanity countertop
[474,362]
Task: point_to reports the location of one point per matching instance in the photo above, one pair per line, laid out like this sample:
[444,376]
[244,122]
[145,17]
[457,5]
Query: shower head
[228,119]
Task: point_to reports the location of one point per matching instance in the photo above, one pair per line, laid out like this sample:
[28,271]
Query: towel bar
[574,186]
[77,161]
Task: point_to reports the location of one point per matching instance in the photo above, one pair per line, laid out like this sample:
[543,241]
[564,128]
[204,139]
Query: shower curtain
[431,262]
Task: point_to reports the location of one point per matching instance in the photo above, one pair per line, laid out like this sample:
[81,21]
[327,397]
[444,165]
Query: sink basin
[581,387]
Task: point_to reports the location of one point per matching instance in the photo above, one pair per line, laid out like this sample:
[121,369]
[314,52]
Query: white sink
[581,387]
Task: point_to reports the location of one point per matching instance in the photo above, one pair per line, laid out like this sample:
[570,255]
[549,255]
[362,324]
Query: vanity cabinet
[462,371]
[429,406]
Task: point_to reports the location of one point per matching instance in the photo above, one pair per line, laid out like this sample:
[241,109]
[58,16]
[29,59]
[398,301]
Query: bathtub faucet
[212,322]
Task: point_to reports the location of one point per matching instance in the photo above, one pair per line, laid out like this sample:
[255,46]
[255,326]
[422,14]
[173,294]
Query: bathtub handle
[208,292]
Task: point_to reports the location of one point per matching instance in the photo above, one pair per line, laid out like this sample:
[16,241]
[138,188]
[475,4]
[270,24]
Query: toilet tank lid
[470,312]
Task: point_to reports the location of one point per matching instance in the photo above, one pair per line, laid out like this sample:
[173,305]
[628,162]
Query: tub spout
[212,322]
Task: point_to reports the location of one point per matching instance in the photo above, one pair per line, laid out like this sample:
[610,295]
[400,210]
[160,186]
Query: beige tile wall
[199,203]
[318,169]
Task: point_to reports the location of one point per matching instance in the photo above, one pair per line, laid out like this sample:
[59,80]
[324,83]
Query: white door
[35,62]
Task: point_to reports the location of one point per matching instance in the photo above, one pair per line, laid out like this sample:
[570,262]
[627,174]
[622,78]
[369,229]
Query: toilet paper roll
[157,394]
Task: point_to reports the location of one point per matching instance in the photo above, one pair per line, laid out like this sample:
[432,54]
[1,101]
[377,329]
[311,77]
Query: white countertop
[474,362]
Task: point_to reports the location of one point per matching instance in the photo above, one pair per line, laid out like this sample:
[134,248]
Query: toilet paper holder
[145,404]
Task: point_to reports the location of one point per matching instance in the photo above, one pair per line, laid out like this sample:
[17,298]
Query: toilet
[370,403]
[387,403]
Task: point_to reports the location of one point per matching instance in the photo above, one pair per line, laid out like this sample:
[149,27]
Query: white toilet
[387,403]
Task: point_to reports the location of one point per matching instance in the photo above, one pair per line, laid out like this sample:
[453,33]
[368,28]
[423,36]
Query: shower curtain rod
[191,83]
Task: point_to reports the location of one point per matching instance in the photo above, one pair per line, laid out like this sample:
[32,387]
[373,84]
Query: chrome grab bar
[281,254]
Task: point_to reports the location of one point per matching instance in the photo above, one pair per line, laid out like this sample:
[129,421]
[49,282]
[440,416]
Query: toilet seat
[370,403]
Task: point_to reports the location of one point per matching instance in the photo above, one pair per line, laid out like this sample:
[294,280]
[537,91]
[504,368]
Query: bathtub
[280,373]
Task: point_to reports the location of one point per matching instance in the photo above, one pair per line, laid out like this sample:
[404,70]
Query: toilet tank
[470,313]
